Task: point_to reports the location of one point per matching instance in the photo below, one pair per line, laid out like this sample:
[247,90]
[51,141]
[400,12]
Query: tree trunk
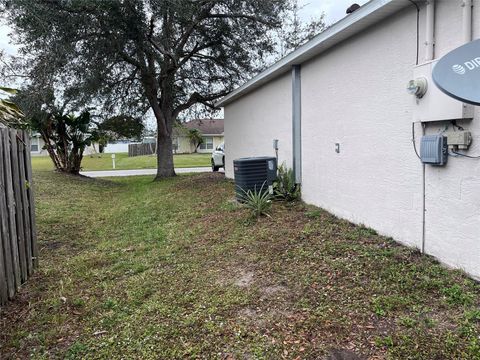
[51,152]
[162,109]
[164,157]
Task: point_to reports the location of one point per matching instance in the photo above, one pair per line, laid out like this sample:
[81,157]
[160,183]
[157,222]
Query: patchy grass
[173,270]
[123,162]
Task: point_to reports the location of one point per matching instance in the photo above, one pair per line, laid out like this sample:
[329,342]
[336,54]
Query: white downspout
[467,21]
[430,27]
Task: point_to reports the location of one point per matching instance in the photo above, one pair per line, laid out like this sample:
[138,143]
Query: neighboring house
[37,147]
[211,130]
[343,117]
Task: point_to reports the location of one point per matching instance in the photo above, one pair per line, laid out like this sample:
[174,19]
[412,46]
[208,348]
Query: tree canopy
[295,32]
[122,127]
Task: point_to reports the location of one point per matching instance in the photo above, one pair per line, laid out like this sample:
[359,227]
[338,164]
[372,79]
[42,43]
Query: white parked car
[218,157]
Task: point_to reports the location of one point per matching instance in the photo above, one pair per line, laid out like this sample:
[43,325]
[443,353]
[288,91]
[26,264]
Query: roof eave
[367,15]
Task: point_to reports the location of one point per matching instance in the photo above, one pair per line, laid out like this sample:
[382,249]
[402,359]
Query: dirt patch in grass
[274,290]
[137,269]
[245,279]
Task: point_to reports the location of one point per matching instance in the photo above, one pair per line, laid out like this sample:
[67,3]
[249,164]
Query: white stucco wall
[377,179]
[453,191]
[354,94]
[253,121]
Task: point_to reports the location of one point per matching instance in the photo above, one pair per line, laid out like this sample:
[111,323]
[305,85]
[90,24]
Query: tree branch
[198,98]
[241,16]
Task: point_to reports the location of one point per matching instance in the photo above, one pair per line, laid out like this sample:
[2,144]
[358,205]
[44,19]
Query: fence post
[18,237]
[141,149]
[31,202]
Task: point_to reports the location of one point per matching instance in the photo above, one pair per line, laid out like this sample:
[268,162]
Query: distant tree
[295,32]
[65,134]
[138,54]
[101,138]
[195,137]
[122,127]
[117,127]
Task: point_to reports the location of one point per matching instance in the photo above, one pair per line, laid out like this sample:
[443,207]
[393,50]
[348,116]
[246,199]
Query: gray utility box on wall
[435,105]
[252,173]
[434,149]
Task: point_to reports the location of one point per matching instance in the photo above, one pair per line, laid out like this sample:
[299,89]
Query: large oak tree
[166,55]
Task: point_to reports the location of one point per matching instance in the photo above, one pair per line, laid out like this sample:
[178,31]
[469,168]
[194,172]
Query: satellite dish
[457,74]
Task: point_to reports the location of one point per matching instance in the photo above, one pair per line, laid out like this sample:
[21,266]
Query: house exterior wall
[186,147]
[217,140]
[453,191]
[42,152]
[376,179]
[254,120]
[354,94]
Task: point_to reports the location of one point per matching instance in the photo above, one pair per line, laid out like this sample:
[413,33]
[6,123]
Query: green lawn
[135,269]
[123,162]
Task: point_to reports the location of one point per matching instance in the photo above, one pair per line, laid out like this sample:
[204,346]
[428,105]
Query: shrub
[258,201]
[285,187]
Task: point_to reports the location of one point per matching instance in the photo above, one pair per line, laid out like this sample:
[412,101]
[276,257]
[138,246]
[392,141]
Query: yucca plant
[258,202]
[285,187]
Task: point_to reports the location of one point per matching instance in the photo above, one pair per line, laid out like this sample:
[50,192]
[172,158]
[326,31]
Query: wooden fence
[142,149]
[18,237]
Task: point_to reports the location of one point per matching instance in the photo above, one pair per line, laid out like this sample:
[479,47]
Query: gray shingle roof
[206,126]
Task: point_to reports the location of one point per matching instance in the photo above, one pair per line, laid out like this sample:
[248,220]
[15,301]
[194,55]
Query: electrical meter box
[434,149]
[435,105]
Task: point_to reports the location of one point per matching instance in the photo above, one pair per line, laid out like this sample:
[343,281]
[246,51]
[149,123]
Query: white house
[343,117]
[37,147]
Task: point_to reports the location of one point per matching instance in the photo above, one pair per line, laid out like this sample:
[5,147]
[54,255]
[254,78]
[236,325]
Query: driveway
[112,173]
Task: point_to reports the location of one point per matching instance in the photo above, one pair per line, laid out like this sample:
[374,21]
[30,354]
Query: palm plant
[258,202]
[195,137]
[66,136]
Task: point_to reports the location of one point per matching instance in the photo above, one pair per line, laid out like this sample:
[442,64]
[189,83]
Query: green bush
[285,187]
[258,201]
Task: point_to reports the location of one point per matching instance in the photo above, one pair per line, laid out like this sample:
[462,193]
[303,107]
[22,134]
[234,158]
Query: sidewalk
[112,173]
